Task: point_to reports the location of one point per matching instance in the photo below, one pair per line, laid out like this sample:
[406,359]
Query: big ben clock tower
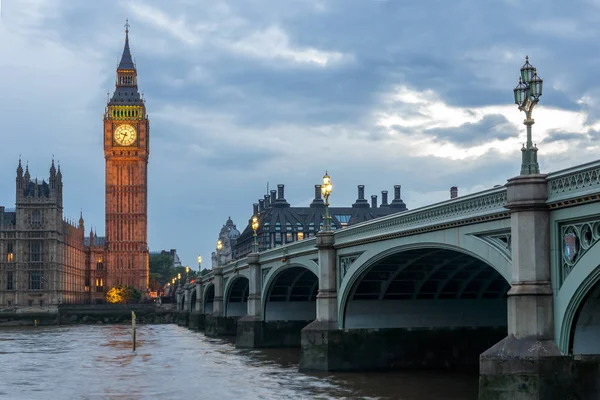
[126,151]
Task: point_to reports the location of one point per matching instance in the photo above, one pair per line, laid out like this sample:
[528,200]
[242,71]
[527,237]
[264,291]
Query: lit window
[9,249]
[300,235]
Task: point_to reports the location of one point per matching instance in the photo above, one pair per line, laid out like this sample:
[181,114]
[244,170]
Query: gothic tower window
[9,281]
[10,255]
[36,280]
[36,251]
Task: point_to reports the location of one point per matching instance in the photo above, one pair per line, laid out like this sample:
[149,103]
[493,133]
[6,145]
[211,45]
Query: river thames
[171,362]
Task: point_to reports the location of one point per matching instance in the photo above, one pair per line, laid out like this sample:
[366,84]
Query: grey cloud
[493,126]
[422,45]
[558,135]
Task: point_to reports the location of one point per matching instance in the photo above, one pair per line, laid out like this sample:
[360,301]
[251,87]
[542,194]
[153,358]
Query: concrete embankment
[97,314]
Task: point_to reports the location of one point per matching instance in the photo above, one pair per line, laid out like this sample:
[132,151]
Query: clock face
[125,135]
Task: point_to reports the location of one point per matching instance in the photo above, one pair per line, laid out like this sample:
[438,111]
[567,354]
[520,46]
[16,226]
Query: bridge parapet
[574,184]
[293,249]
[477,207]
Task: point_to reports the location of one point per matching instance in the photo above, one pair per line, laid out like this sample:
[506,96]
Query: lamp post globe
[254,226]
[219,248]
[527,94]
[326,189]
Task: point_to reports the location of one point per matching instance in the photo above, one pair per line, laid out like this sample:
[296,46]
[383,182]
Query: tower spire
[126,60]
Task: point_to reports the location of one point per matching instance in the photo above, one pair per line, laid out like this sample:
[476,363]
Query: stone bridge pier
[216,323]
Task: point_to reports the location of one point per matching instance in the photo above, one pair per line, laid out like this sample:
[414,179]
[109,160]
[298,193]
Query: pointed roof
[126,60]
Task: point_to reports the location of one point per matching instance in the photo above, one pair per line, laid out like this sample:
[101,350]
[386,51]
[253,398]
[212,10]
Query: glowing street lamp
[326,189]
[199,263]
[219,248]
[527,94]
[254,228]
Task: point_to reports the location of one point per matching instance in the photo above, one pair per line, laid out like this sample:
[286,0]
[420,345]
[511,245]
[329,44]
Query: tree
[121,294]
[161,265]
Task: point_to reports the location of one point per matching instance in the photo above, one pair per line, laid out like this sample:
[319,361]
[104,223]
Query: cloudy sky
[249,92]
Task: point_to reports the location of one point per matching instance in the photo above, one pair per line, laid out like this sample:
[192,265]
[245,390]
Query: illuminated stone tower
[126,150]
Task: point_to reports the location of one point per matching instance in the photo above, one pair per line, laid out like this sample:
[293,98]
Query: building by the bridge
[228,236]
[280,223]
[46,260]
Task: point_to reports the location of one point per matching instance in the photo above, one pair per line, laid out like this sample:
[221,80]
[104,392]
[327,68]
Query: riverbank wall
[84,314]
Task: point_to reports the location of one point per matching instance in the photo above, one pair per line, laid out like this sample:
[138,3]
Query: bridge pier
[322,340]
[527,364]
[196,318]
[216,324]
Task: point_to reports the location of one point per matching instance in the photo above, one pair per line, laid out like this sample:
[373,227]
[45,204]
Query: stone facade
[43,259]
[228,237]
[46,260]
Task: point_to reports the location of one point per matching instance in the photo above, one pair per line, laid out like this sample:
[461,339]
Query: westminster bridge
[507,279]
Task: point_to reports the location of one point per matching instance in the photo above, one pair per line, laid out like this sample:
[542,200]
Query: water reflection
[96,362]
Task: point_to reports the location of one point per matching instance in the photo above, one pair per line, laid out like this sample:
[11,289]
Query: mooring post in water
[133,327]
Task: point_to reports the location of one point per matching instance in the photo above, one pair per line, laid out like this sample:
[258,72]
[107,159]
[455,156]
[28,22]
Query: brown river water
[171,362]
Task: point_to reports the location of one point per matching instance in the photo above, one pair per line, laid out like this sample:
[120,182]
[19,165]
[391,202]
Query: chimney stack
[267,200]
[384,199]
[361,201]
[261,205]
[373,201]
[280,194]
[397,203]
[255,209]
[361,192]
[273,196]
[318,200]
[453,192]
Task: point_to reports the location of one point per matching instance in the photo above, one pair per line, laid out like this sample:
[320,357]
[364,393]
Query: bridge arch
[425,306]
[577,307]
[208,298]
[476,255]
[289,294]
[236,296]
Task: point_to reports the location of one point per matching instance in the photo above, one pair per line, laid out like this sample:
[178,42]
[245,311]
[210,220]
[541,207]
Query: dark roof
[126,96]
[10,218]
[43,189]
[98,241]
[280,217]
[126,60]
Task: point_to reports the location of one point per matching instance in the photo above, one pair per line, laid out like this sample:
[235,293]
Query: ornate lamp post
[199,264]
[326,188]
[219,248]
[527,94]
[254,228]
[187,273]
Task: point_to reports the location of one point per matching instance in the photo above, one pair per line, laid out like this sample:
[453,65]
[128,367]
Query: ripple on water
[97,362]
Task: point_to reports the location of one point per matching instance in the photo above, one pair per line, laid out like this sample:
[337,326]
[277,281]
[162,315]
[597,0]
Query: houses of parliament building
[46,260]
